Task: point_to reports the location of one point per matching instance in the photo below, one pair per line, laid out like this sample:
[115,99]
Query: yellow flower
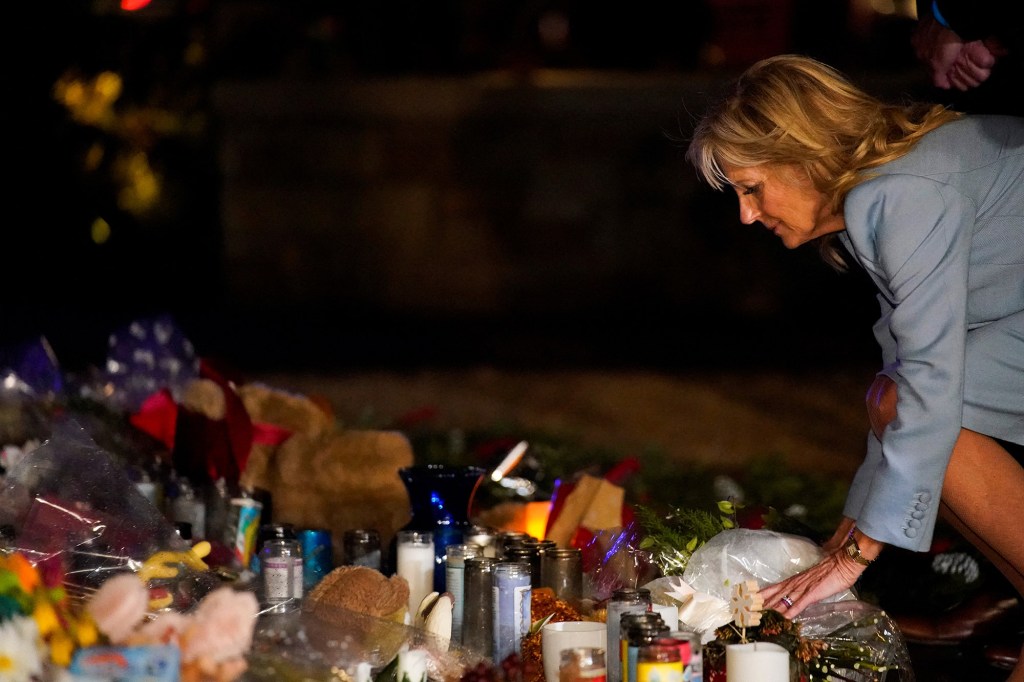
[61,648]
[46,618]
[85,631]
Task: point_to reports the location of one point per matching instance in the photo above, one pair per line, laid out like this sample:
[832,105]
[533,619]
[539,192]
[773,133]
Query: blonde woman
[931,204]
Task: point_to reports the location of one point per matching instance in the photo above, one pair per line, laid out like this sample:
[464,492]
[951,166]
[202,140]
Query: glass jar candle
[625,600]
[455,571]
[415,563]
[637,630]
[281,575]
[660,661]
[361,547]
[511,607]
[483,536]
[561,569]
[478,611]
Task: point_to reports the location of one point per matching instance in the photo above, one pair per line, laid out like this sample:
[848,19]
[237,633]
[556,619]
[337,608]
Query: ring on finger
[787,601]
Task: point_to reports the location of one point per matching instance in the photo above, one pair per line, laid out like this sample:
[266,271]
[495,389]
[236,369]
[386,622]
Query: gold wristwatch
[853,550]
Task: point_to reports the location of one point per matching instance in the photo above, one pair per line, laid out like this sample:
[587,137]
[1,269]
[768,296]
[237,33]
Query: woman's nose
[748,212]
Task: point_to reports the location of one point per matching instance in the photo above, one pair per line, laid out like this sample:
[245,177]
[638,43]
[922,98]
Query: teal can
[317,559]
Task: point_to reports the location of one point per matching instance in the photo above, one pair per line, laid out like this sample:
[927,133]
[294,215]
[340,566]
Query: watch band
[853,550]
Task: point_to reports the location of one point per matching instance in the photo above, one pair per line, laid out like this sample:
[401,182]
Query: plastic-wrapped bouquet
[101,582]
[842,638]
[39,629]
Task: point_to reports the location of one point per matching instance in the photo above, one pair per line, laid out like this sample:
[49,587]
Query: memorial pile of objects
[139,503]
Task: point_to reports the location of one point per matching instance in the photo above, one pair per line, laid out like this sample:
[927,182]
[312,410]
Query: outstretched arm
[838,570]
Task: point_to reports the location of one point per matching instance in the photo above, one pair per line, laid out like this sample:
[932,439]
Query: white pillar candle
[415,563]
[756,662]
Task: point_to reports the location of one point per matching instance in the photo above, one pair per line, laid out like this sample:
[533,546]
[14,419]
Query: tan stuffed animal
[321,475]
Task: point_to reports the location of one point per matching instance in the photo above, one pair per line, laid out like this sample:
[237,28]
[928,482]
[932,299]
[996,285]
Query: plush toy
[320,474]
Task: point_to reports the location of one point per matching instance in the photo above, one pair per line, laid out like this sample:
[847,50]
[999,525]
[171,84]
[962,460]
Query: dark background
[401,184]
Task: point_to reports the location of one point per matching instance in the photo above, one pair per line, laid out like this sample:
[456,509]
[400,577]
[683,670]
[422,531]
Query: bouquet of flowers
[38,627]
[842,638]
[96,584]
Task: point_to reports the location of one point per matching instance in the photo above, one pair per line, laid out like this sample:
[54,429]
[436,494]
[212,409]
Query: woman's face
[783,199]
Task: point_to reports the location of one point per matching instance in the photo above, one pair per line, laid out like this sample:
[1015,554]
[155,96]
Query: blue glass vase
[440,498]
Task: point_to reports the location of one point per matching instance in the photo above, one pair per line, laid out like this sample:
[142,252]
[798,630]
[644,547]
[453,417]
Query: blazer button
[910,532]
[920,506]
[914,523]
[917,514]
[924,497]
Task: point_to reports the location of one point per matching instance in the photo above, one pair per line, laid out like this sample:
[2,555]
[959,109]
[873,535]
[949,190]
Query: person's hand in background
[953,62]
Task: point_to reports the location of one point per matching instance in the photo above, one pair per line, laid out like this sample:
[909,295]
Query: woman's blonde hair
[794,110]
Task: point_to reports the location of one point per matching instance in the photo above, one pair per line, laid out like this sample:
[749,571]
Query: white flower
[19,650]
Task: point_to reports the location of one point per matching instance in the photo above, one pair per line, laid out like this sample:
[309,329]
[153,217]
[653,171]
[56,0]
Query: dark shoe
[1002,656]
[982,615]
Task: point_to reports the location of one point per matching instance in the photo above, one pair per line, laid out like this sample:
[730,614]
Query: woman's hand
[836,572]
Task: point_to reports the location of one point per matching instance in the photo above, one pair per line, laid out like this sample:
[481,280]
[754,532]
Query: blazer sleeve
[873,454]
[913,234]
[862,479]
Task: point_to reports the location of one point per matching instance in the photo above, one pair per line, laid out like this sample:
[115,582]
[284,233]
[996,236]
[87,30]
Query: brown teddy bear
[319,474]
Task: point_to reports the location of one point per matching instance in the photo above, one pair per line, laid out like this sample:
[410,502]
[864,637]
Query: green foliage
[673,539]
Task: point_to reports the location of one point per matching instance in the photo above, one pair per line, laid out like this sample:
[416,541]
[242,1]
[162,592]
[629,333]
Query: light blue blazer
[941,232]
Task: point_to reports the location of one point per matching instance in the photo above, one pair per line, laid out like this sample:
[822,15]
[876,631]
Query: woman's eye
[753,189]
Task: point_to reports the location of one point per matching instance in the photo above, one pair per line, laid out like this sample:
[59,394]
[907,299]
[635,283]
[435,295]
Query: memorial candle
[415,563]
[756,662]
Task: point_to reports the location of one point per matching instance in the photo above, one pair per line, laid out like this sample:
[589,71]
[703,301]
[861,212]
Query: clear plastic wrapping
[746,554]
[306,645]
[842,637]
[71,502]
